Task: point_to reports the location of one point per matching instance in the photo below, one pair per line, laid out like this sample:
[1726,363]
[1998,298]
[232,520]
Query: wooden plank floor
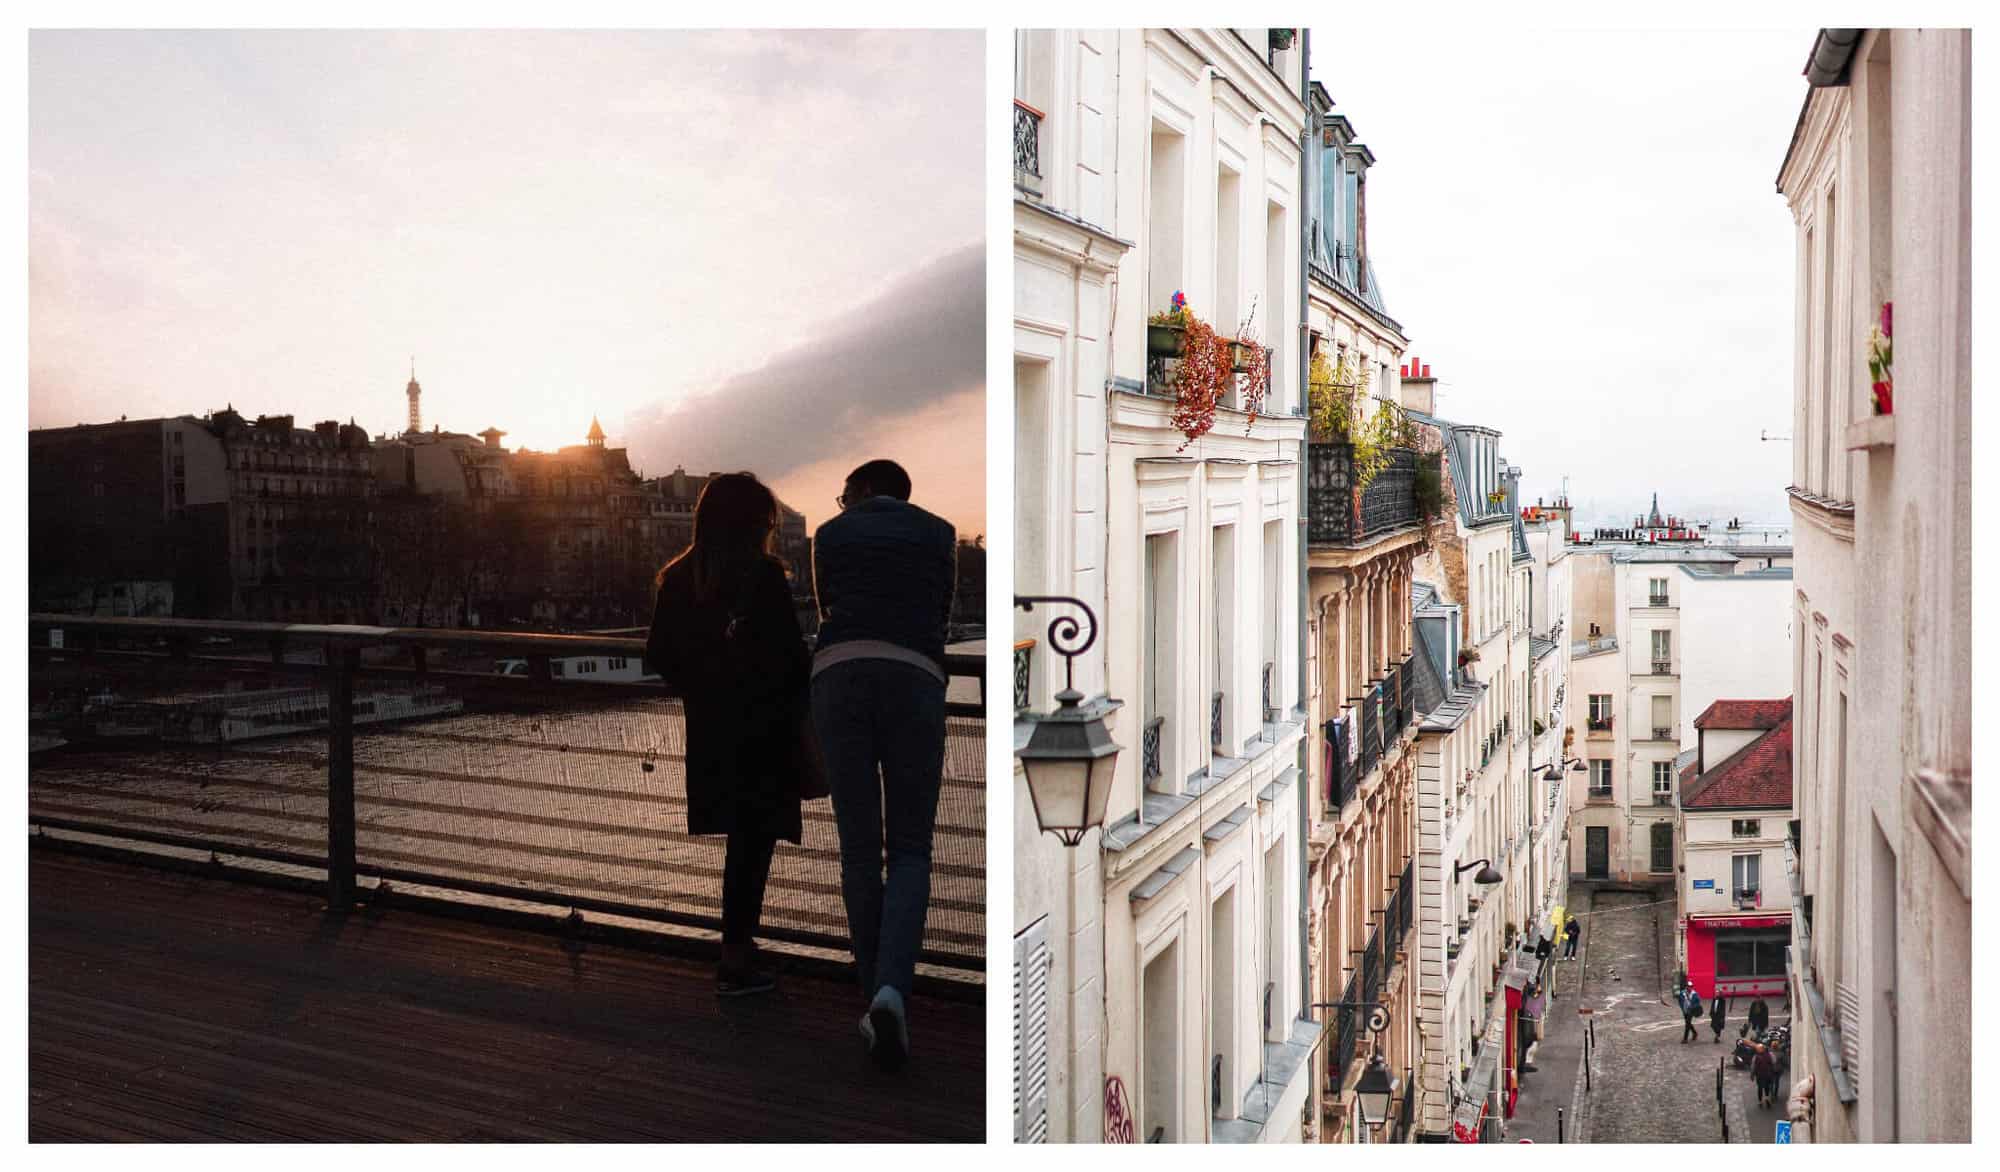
[164,1006]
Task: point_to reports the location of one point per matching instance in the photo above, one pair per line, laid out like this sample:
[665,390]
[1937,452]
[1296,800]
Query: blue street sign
[1784,1131]
[1704,885]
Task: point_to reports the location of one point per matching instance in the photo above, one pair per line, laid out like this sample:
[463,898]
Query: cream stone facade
[1160,970]
[1878,181]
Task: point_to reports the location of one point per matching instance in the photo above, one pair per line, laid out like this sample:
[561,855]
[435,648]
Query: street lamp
[1487,876]
[1575,764]
[1374,1091]
[1070,757]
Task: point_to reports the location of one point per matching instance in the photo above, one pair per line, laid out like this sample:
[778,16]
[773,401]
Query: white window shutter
[1032,961]
[1848,1000]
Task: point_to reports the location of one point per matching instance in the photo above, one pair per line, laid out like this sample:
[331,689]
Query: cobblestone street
[1646,1085]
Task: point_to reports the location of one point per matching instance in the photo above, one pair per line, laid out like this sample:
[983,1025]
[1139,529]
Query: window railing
[1599,793]
[1663,733]
[1597,723]
[1663,667]
[1027,147]
[1149,750]
[1749,897]
[1371,729]
[1347,1025]
[1663,797]
[1023,681]
[1270,679]
[1215,744]
[1656,600]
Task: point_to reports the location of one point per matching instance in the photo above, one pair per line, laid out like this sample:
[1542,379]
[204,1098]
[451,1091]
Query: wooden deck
[167,1006]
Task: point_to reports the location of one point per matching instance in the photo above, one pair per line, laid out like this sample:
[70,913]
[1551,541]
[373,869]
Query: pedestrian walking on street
[884,571]
[1571,936]
[1764,1069]
[726,638]
[1718,1016]
[1690,1002]
[1760,1016]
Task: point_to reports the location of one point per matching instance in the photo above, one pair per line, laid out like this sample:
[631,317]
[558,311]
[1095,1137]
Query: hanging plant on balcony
[1497,497]
[1255,368]
[1166,331]
[1469,655]
[1199,380]
[1882,383]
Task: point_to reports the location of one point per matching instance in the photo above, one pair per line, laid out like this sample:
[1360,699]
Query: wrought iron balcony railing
[1663,732]
[1663,667]
[1027,148]
[1023,679]
[1149,750]
[1336,514]
[1215,744]
[1270,679]
[1656,600]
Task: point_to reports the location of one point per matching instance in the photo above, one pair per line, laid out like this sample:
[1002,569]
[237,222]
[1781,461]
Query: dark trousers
[1688,1032]
[746,867]
[881,727]
[1569,946]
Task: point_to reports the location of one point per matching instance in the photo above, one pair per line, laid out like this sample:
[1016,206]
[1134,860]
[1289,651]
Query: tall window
[1222,615]
[1831,416]
[1271,317]
[1600,777]
[1600,710]
[1160,1034]
[1663,718]
[1743,876]
[1656,591]
[1162,638]
[1663,783]
[1228,249]
[1274,596]
[1663,653]
[1223,1002]
[1166,243]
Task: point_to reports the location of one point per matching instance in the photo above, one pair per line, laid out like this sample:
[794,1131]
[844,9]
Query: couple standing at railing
[771,725]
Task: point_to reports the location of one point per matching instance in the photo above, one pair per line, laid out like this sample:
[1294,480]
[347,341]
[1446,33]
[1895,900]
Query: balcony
[1023,680]
[1663,797]
[1663,667]
[1747,899]
[1337,515]
[1657,600]
[1661,733]
[1027,148]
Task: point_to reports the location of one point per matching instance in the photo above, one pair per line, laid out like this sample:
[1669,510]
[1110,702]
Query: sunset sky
[736,249]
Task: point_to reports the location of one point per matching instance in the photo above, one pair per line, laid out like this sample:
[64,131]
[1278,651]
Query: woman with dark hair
[726,639]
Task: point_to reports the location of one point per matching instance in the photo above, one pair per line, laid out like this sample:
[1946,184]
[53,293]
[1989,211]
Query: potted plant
[1199,379]
[1281,39]
[1249,357]
[1882,385]
[1497,497]
[1468,656]
[1166,331]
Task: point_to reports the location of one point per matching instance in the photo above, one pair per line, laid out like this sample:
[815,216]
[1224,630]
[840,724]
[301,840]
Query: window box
[1869,434]
[1166,341]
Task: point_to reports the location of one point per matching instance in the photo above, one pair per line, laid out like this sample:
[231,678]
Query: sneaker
[886,1028]
[744,984]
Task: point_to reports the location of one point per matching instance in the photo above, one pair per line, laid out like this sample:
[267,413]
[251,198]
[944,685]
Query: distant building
[301,519]
[117,510]
[1658,631]
[1734,814]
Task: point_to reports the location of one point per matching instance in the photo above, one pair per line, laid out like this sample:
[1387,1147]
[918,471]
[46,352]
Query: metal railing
[1348,1021]
[1269,682]
[1343,778]
[1663,733]
[1663,667]
[1336,514]
[1215,744]
[1027,147]
[1371,728]
[401,755]
[1597,723]
[1656,600]
[1149,750]
[1024,658]
[1371,966]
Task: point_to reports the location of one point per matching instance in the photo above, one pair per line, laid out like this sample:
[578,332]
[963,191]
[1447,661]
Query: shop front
[1737,956]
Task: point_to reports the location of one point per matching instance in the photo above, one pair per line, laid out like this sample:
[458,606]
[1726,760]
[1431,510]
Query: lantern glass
[1374,1092]
[1069,761]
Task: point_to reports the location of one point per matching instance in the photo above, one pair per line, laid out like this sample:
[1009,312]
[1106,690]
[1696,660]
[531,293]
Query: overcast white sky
[696,237]
[1580,232]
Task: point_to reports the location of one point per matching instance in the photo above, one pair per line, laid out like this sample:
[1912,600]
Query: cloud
[835,394]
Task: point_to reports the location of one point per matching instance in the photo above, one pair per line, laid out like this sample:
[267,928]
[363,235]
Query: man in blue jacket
[884,570]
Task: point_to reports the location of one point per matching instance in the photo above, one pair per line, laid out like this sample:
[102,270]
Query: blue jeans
[881,726]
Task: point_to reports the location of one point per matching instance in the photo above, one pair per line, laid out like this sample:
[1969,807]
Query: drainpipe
[1305,594]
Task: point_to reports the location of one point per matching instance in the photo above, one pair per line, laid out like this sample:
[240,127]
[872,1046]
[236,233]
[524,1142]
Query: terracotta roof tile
[1756,777]
[1742,714]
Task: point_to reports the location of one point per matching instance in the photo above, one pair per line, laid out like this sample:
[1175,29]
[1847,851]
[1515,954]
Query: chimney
[1419,390]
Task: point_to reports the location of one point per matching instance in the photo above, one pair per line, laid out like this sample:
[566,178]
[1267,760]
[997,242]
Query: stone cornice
[1832,517]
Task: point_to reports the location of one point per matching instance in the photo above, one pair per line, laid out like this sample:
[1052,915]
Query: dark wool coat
[741,667]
